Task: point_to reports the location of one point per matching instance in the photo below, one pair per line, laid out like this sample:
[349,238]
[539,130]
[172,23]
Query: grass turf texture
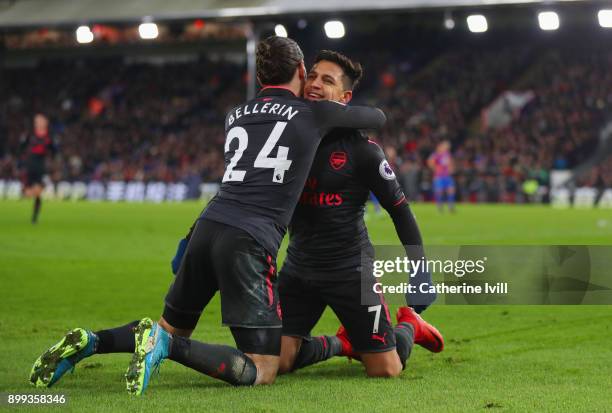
[98,265]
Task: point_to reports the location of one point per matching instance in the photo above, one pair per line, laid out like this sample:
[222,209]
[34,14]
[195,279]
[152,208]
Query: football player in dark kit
[270,144]
[37,146]
[328,237]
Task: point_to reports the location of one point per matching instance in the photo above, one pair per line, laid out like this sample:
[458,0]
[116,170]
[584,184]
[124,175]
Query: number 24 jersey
[269,148]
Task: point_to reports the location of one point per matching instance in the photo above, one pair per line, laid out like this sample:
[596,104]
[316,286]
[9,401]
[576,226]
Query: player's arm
[374,171]
[330,114]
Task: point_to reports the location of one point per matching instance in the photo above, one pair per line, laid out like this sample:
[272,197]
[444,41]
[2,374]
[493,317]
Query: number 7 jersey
[269,148]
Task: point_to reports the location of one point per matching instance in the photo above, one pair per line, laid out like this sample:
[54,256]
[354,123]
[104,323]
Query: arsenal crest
[337,160]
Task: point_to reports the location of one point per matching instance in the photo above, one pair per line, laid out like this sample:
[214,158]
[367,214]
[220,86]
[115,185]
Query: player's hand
[420,300]
[178,256]
[419,308]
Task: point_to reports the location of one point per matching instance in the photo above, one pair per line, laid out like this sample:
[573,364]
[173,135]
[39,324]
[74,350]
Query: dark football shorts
[35,171]
[303,301]
[223,258]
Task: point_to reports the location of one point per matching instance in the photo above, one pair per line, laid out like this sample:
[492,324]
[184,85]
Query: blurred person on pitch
[441,163]
[36,147]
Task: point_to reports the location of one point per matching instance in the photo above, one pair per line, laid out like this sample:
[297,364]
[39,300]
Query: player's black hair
[353,72]
[276,60]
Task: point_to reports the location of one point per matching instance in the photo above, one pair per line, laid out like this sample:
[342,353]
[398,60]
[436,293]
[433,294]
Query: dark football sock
[404,341]
[221,362]
[36,211]
[117,340]
[317,349]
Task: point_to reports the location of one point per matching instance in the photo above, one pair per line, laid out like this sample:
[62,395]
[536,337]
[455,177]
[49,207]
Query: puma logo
[382,338]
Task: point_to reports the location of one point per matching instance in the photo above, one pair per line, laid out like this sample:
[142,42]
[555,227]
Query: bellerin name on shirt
[266,108]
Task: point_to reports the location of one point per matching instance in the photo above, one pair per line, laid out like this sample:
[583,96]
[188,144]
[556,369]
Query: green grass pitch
[97,265]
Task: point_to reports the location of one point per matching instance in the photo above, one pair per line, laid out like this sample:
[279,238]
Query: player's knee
[290,347]
[387,370]
[244,372]
[266,379]
[266,373]
[285,366]
[286,362]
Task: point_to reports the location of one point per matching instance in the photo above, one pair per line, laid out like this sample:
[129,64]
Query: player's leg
[223,362]
[266,368]
[28,182]
[290,347]
[438,188]
[262,346]
[192,289]
[290,342]
[77,345]
[425,334]
[314,350]
[367,330]
[36,194]
[225,256]
[385,364]
[410,329]
[301,309]
[247,278]
[450,194]
[115,340]
[218,361]
[34,189]
[391,363]
[60,358]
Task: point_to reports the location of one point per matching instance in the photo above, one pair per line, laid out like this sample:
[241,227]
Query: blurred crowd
[558,129]
[599,177]
[125,122]
[164,122]
[123,35]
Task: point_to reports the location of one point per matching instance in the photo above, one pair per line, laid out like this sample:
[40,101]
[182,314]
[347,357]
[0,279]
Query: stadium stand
[118,120]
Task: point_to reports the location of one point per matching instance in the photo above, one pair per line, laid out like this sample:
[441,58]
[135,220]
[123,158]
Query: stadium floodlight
[605,18]
[477,23]
[280,30]
[449,22]
[334,29]
[148,30]
[549,20]
[84,34]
